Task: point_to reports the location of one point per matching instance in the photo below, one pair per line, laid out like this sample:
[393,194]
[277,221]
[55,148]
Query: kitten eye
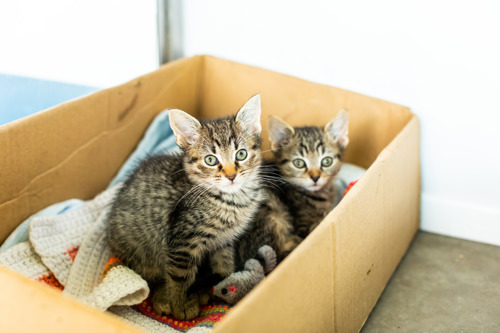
[211,160]
[299,163]
[327,161]
[241,154]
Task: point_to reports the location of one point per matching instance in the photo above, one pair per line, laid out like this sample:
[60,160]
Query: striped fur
[310,195]
[176,211]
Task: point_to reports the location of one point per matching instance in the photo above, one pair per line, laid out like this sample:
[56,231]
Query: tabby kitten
[176,211]
[309,158]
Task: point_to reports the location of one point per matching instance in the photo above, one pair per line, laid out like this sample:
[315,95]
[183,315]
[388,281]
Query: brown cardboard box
[330,283]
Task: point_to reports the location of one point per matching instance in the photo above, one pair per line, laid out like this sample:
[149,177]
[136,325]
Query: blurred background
[440,58]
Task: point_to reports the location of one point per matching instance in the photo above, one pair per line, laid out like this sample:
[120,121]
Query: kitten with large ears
[309,158]
[174,211]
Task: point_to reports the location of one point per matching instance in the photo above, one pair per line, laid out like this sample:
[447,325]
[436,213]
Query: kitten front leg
[313,226]
[302,230]
[204,296]
[172,297]
[292,242]
[222,261]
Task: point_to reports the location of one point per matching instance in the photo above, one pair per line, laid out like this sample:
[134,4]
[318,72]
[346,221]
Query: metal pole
[170,37]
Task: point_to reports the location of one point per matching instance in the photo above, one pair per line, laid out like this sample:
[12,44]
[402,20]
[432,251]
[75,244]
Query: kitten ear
[249,115]
[186,128]
[338,128]
[280,133]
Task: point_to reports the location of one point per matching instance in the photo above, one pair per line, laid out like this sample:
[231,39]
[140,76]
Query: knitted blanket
[69,252]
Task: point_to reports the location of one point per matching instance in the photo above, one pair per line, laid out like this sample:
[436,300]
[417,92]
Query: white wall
[441,58]
[92,42]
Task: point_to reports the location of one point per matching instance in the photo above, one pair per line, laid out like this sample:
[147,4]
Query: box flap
[30,307]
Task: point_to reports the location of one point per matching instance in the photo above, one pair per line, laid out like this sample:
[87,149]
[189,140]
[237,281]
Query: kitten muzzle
[315,175]
[231,177]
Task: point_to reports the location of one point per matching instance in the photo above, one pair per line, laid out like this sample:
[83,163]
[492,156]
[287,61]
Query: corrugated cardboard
[329,283]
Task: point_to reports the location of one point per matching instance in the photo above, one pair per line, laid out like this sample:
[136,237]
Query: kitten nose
[315,178]
[231,176]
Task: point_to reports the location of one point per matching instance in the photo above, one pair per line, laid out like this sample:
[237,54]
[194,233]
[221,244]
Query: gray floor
[443,284]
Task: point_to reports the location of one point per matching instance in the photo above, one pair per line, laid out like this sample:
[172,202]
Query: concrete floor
[443,284]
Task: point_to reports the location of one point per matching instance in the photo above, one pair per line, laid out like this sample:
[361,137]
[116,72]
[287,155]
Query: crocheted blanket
[69,252]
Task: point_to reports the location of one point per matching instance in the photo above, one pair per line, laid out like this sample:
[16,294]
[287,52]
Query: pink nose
[231,177]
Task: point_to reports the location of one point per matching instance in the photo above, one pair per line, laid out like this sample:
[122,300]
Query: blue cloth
[158,139]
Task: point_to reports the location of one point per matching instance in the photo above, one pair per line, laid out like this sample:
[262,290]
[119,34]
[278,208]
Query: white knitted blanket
[72,248]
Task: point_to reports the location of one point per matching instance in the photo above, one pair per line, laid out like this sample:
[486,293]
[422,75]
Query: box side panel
[73,150]
[374,226]
[374,123]
[296,297]
[29,307]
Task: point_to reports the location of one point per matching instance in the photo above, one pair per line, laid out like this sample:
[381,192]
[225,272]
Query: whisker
[173,173]
[198,195]
[271,183]
[194,188]
[272,187]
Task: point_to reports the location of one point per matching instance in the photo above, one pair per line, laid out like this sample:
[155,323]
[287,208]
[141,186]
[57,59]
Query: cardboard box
[329,283]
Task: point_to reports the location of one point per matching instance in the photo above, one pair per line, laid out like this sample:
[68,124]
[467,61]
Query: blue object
[22,96]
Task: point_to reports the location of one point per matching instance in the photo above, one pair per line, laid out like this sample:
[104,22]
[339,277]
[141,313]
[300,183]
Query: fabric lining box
[330,283]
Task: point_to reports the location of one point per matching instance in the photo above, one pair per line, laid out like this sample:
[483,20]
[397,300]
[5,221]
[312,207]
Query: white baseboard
[460,219]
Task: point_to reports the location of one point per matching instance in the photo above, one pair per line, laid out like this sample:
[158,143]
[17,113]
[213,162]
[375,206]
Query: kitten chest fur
[310,208]
[226,215]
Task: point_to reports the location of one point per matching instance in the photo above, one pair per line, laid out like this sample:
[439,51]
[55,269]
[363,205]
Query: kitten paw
[292,243]
[204,296]
[188,310]
[160,304]
[162,309]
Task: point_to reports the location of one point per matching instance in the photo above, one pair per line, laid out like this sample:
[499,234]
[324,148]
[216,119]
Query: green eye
[241,154]
[327,161]
[299,163]
[211,160]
